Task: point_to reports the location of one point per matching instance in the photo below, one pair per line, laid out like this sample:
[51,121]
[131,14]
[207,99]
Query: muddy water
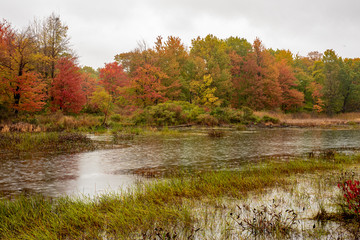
[94,172]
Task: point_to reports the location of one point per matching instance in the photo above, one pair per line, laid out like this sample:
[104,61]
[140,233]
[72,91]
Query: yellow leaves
[101,99]
[204,93]
[40,57]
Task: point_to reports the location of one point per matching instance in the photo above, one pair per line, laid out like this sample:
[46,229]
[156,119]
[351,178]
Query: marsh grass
[266,221]
[141,212]
[214,133]
[45,141]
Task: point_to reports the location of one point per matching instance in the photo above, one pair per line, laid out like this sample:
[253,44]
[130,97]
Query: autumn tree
[255,78]
[89,82]
[101,100]
[203,92]
[66,90]
[7,38]
[214,54]
[30,89]
[303,74]
[22,86]
[132,60]
[147,86]
[291,98]
[171,58]
[240,45]
[317,95]
[52,42]
[113,79]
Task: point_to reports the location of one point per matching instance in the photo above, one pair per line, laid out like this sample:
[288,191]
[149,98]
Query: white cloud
[101,29]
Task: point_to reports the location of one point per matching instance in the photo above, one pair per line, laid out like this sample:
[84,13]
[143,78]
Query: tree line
[39,72]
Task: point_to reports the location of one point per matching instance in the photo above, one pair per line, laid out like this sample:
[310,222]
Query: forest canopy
[39,72]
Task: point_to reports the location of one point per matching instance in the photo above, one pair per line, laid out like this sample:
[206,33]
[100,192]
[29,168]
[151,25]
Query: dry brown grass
[58,121]
[20,127]
[313,119]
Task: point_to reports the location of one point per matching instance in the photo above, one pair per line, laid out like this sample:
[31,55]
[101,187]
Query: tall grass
[302,119]
[147,207]
[45,141]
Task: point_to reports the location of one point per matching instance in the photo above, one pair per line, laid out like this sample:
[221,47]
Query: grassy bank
[164,209]
[173,114]
[45,141]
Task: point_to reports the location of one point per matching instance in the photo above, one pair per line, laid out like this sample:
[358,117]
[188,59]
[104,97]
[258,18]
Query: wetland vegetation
[271,199]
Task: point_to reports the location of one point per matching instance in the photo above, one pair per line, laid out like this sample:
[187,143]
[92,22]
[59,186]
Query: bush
[351,193]
[169,113]
[248,113]
[116,118]
[207,119]
[228,115]
[268,119]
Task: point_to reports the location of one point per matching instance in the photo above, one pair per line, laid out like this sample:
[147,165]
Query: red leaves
[66,89]
[31,89]
[147,85]
[351,194]
[113,78]
[255,77]
[291,98]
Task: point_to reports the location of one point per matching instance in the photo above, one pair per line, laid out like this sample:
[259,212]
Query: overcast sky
[100,29]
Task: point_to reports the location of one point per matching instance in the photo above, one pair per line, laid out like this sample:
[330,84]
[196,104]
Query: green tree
[332,95]
[240,45]
[214,54]
[350,77]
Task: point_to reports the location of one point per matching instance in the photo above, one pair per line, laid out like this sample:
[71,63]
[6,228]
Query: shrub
[169,113]
[248,113]
[351,193]
[115,118]
[228,115]
[207,119]
[268,119]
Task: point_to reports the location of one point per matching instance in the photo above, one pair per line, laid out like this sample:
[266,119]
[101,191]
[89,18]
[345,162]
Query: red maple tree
[67,94]
[113,79]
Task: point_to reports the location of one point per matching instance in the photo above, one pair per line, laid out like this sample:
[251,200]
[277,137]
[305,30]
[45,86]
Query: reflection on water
[98,171]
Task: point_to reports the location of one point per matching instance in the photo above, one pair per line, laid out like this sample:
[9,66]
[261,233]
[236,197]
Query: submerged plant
[265,221]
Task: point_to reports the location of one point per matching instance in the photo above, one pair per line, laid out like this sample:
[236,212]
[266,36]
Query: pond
[91,173]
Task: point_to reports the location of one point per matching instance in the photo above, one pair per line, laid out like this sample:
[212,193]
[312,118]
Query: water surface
[94,172]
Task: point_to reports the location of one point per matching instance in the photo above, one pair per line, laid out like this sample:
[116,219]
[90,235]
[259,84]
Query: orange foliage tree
[291,97]
[147,85]
[22,88]
[255,78]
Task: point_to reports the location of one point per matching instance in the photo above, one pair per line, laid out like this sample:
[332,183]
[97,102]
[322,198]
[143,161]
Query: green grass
[148,207]
[45,141]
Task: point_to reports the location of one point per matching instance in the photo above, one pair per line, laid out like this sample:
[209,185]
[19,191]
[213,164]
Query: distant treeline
[39,72]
